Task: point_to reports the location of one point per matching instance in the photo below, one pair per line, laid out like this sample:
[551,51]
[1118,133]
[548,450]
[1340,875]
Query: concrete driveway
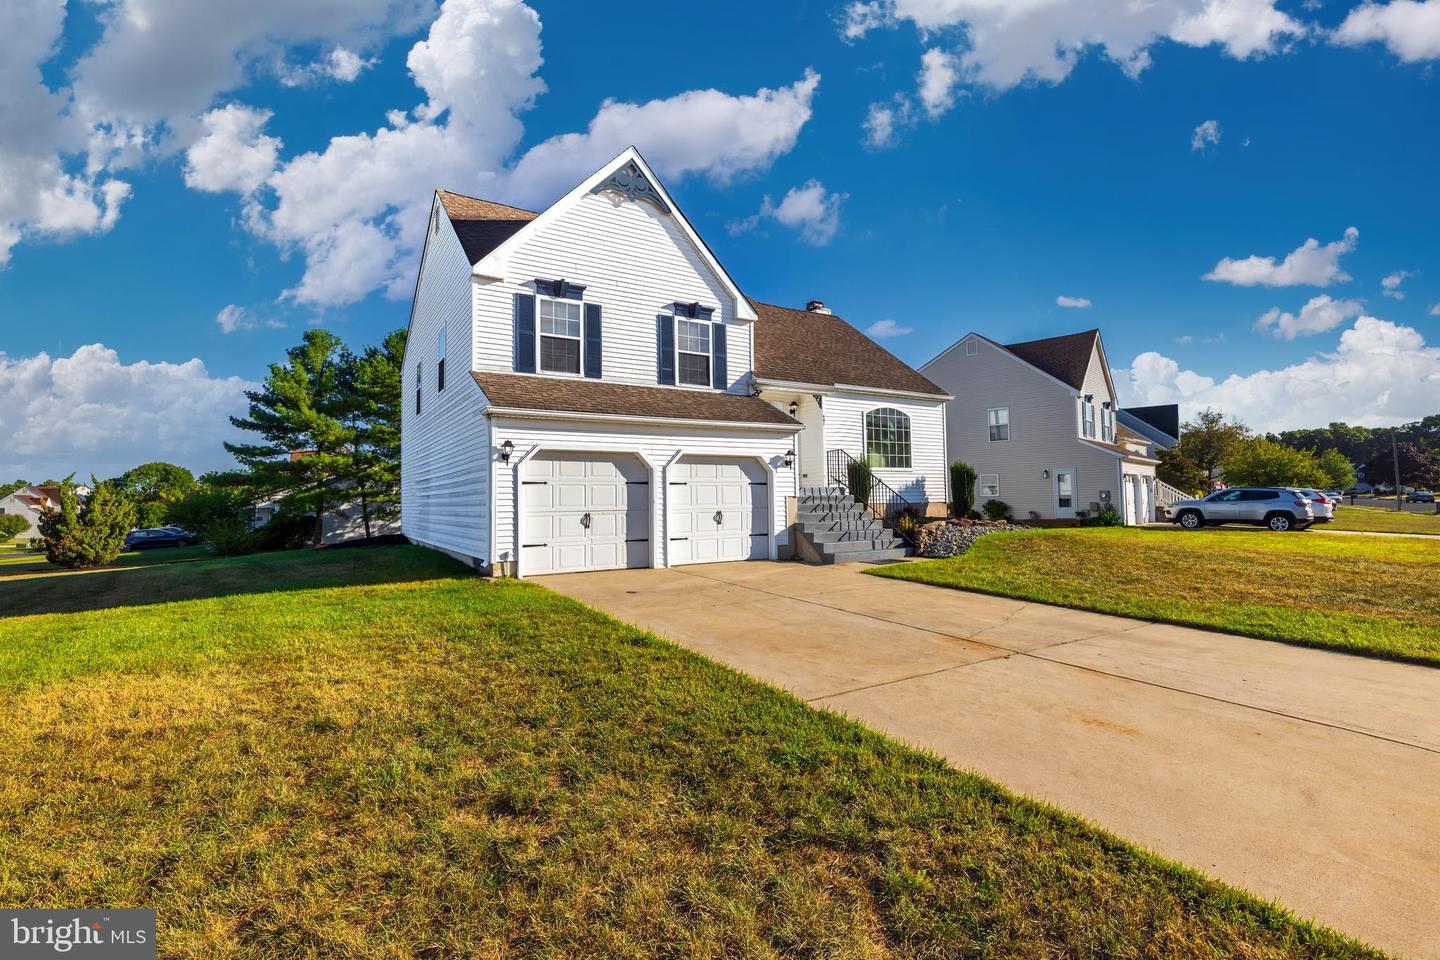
[1309,777]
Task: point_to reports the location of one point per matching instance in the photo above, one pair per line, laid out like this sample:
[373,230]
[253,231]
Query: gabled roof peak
[1066,357]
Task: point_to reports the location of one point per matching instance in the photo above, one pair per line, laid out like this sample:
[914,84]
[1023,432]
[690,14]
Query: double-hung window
[1107,424]
[989,484]
[1087,418]
[692,351]
[999,420]
[559,336]
[440,362]
[887,438]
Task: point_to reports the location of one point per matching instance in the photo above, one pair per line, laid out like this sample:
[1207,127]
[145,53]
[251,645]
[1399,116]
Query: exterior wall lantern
[794,407]
[506,448]
[1046,474]
[789,460]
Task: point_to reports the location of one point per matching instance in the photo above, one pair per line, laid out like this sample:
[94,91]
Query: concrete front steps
[833,527]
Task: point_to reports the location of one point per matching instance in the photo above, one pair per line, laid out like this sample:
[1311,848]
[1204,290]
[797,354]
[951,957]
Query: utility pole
[1395,457]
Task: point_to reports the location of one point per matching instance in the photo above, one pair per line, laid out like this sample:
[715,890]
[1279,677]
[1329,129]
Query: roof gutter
[764,383]
[522,413]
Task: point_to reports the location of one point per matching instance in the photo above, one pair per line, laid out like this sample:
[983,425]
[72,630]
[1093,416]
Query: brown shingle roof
[1123,450]
[51,493]
[1064,358]
[805,346]
[482,225]
[566,395]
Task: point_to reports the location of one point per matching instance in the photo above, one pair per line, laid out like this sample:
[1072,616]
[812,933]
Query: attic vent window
[972,347]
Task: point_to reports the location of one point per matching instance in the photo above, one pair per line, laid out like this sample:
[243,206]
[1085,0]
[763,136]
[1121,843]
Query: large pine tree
[304,415]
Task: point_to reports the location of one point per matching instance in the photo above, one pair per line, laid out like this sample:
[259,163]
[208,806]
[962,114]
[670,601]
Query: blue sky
[183,203]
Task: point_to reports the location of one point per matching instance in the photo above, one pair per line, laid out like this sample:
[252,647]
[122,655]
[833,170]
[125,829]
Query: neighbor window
[692,351]
[887,438]
[440,361]
[999,419]
[972,347]
[560,336]
[1087,418]
[989,484]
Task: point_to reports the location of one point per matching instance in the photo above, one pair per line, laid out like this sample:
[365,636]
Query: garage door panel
[563,490]
[718,510]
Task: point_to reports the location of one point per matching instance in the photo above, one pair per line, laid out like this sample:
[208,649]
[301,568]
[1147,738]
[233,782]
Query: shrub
[962,488]
[1107,517]
[995,509]
[231,537]
[12,525]
[209,507]
[286,530]
[89,534]
[859,478]
[907,522]
[973,515]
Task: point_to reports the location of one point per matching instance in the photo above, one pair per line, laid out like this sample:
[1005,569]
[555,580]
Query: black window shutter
[524,333]
[665,348]
[592,340]
[717,348]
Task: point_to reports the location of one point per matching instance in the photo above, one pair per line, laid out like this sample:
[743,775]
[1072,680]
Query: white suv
[1279,508]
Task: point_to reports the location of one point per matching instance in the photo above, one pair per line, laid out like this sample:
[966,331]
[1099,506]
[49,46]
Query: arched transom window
[887,438]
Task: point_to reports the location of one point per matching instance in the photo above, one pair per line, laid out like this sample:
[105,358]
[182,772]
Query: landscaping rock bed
[953,537]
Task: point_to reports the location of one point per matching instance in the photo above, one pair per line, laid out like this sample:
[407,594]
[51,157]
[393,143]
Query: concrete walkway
[1305,776]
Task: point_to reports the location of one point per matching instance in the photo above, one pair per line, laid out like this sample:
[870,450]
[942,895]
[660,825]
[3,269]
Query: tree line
[1327,458]
[326,433]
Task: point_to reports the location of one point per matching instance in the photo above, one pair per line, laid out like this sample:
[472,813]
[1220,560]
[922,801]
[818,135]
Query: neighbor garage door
[584,512]
[718,510]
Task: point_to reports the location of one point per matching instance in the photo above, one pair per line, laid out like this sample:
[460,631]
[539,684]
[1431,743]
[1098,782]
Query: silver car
[1322,503]
[1279,508]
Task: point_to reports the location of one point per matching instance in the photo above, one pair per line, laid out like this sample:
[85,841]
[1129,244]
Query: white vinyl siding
[636,263]
[657,445]
[445,450]
[924,480]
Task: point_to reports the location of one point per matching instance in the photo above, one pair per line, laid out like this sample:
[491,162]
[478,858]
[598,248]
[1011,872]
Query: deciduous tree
[1210,438]
[1259,462]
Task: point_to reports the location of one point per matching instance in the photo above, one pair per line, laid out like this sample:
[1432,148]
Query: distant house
[1159,425]
[345,521]
[28,501]
[1039,423]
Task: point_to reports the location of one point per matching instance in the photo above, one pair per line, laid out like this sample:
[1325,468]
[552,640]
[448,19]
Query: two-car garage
[593,511]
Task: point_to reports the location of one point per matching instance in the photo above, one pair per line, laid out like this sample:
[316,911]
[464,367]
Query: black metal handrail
[881,499]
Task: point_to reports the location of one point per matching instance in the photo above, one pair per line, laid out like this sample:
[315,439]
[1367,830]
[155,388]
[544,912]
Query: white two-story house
[1038,422]
[587,388]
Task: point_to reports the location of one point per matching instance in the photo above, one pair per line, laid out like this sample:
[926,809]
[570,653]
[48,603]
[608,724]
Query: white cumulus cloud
[1310,265]
[1380,373]
[1409,28]
[1318,315]
[1391,284]
[116,415]
[884,122]
[809,208]
[938,80]
[234,153]
[1075,303]
[1008,43]
[1206,134]
[886,328]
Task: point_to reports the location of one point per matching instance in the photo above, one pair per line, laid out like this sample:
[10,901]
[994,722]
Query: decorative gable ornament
[629,181]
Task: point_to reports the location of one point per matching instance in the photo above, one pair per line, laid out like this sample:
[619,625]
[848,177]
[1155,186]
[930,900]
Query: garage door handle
[585,521]
[719,516]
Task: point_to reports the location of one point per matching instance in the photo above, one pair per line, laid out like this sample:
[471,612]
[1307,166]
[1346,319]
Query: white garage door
[584,512]
[719,510]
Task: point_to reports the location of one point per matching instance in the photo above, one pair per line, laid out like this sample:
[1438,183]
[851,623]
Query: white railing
[1165,495]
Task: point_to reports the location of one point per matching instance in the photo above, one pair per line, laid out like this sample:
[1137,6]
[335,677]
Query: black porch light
[506,448]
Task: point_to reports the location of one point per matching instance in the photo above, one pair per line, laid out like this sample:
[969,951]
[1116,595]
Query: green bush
[973,514]
[12,525]
[88,534]
[1107,517]
[995,509]
[859,478]
[231,537]
[962,488]
[286,530]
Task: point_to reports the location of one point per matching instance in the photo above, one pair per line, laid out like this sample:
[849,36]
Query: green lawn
[30,564]
[373,753]
[1377,596]
[1379,520]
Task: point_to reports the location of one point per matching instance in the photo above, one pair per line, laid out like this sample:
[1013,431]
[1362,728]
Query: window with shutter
[692,348]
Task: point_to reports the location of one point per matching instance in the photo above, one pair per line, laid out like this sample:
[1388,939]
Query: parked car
[1279,508]
[1321,504]
[1419,496]
[149,538]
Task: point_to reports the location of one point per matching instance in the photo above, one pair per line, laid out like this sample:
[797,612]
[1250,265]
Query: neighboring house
[588,388]
[342,523]
[1159,425]
[1037,421]
[28,501]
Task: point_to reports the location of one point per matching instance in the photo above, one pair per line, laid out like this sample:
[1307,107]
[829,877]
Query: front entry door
[1064,493]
